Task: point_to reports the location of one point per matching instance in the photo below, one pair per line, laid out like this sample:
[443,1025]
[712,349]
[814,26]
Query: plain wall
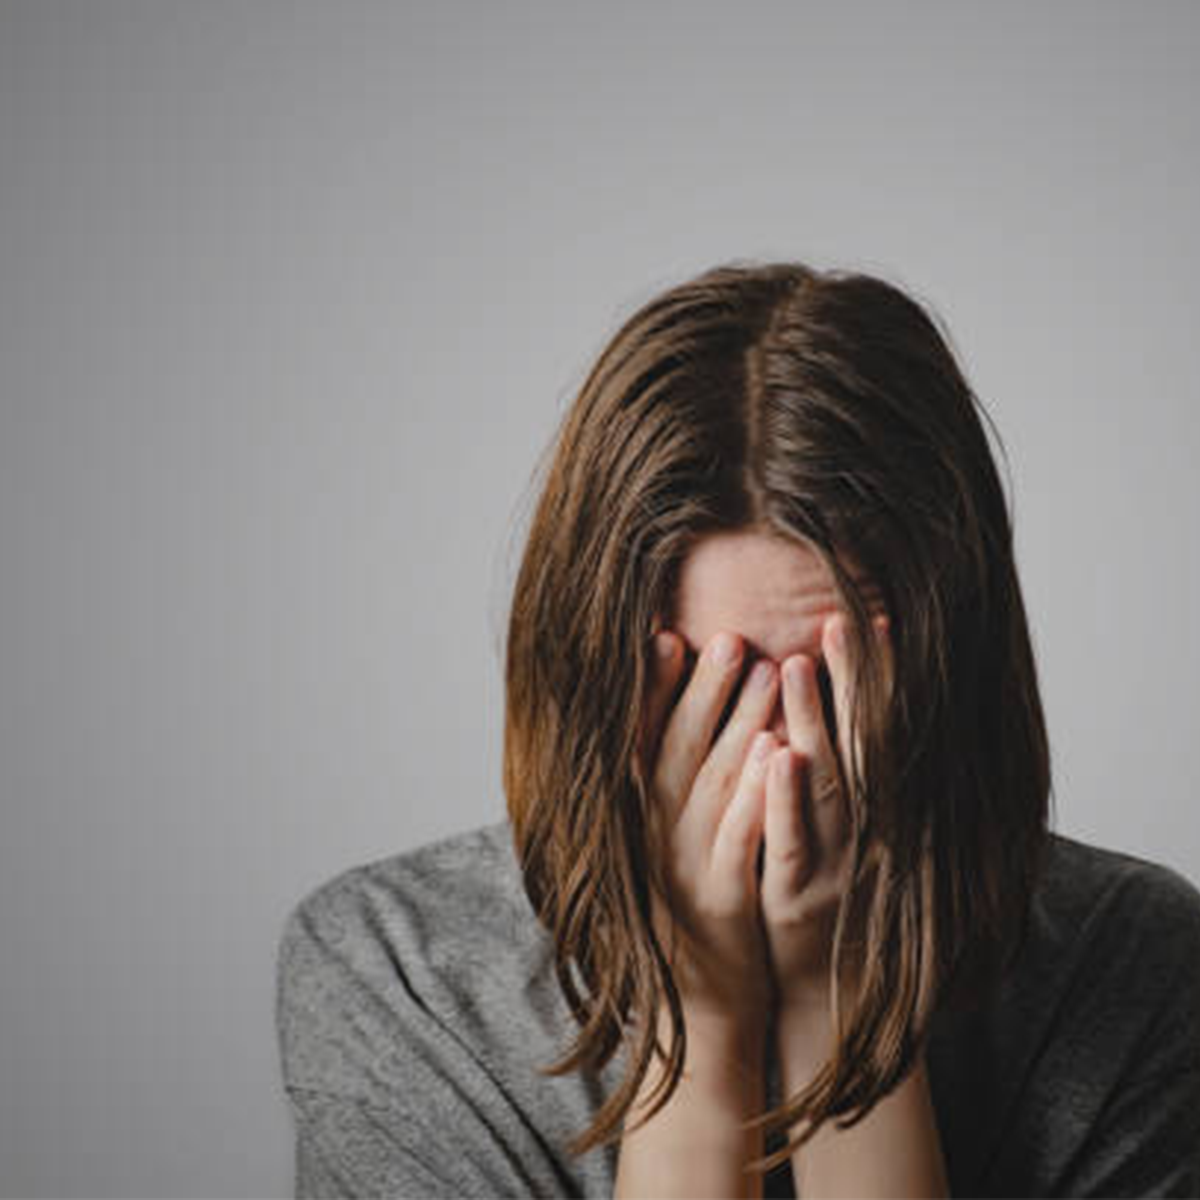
[292,296]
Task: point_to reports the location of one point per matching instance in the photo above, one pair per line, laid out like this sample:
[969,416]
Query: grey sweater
[416,998]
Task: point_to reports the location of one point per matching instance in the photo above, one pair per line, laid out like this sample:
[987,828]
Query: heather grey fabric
[416,998]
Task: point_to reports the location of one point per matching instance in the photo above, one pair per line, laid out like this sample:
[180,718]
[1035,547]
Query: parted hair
[825,407]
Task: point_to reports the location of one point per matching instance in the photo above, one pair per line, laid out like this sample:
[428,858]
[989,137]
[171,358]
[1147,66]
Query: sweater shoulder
[431,942]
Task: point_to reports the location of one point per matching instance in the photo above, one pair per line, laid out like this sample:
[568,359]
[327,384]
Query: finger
[802,709]
[841,672]
[735,846]
[666,662]
[837,656]
[719,774]
[753,709]
[808,734]
[788,858]
[688,732]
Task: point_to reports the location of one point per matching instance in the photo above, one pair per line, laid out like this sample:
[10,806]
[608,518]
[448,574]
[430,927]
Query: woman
[796,907]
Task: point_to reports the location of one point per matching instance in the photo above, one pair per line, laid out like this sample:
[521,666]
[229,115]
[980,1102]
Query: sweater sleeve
[389,1095]
[1147,1141]
[351,1148]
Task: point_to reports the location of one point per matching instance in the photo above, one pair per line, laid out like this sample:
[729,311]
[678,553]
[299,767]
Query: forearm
[693,1147]
[894,1151]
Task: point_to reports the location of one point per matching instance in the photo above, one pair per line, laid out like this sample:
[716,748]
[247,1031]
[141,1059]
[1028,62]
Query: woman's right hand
[710,819]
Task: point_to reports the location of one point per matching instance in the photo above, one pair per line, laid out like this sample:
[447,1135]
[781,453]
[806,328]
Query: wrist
[695,1144]
[744,1028]
[805,1005]
[749,1010]
[723,1046]
[804,1036]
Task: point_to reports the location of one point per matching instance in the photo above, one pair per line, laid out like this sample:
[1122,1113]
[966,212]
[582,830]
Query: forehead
[775,592]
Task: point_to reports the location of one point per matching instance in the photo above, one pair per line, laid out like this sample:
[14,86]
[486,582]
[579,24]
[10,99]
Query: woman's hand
[805,868]
[711,797]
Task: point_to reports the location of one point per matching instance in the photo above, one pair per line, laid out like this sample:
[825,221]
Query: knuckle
[724,776]
[711,773]
[737,738]
[826,796]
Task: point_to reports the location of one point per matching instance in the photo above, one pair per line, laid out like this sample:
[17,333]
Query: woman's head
[775,592]
[756,447]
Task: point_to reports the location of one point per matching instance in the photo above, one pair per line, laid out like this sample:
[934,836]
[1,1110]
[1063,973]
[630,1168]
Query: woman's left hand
[804,869]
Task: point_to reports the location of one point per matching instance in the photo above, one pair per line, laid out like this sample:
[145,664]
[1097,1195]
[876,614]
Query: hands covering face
[738,942]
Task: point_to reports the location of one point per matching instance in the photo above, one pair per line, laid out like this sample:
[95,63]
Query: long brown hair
[825,407]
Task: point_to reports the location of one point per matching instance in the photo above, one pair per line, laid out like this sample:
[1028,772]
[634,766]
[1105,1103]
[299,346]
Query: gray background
[292,296]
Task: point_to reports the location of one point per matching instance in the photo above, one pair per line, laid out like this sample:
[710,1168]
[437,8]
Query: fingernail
[792,674]
[762,676]
[726,649]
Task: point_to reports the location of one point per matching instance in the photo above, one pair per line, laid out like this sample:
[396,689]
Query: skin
[739,943]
